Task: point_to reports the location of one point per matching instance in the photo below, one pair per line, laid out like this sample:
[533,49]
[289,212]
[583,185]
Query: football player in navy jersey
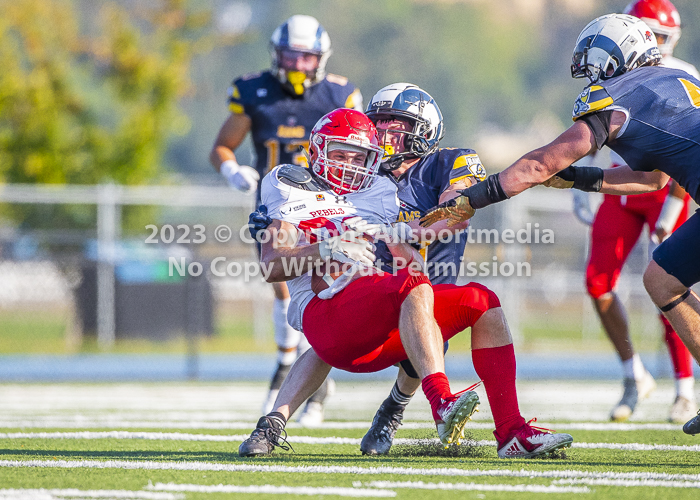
[410,127]
[615,229]
[650,116]
[279,107]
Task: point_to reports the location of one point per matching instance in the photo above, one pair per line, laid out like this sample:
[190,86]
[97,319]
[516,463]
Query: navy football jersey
[419,190]
[281,123]
[662,131]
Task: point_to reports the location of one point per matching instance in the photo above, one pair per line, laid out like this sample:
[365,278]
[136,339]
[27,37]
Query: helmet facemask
[353,169]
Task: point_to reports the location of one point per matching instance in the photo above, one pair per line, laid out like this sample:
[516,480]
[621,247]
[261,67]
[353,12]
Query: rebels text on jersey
[318,215]
[419,190]
[281,123]
[662,130]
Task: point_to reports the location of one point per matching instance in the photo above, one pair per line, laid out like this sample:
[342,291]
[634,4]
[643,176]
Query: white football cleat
[528,442]
[312,416]
[454,415]
[683,409]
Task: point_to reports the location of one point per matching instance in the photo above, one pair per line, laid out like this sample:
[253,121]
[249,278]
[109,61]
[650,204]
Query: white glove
[349,247]
[240,177]
[398,232]
[670,211]
[582,207]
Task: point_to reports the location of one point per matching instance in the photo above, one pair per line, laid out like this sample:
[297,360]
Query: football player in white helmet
[615,230]
[648,115]
[279,107]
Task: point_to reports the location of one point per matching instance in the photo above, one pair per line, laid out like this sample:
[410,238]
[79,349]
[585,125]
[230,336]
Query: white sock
[285,335]
[633,368]
[685,388]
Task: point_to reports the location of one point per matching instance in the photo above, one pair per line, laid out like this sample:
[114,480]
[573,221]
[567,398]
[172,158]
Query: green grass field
[169,441]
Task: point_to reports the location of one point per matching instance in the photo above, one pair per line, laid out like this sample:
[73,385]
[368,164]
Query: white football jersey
[318,215]
[674,63]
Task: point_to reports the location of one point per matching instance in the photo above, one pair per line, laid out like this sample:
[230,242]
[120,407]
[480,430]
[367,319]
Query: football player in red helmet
[328,211]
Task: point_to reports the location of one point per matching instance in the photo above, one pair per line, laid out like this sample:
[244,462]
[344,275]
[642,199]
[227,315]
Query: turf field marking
[44,494]
[528,488]
[338,469]
[272,489]
[630,482]
[177,436]
[183,423]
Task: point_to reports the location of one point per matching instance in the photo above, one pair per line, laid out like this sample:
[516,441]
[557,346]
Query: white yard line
[630,482]
[23,494]
[177,436]
[521,488]
[337,469]
[182,423]
[278,490]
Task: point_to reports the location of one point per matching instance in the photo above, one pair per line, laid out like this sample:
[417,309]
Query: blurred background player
[615,230]
[410,127]
[279,107]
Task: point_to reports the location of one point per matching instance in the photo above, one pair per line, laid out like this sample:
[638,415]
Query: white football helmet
[612,45]
[405,100]
[304,34]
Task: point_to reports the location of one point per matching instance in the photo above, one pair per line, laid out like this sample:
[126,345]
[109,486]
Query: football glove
[240,177]
[258,221]
[349,247]
[588,179]
[454,211]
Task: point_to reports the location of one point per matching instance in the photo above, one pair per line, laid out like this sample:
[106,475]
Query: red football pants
[358,329]
[616,229]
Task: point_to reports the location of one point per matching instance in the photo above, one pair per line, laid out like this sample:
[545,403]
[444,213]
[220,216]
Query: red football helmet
[353,133]
[663,19]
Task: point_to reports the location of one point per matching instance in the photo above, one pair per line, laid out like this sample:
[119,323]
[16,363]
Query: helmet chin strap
[395,162]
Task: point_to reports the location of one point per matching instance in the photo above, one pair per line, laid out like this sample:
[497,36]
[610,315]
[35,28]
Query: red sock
[436,388]
[680,355]
[496,367]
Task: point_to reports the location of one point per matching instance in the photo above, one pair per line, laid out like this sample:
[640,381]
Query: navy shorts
[679,255]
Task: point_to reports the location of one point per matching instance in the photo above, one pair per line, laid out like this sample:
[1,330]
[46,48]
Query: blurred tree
[85,101]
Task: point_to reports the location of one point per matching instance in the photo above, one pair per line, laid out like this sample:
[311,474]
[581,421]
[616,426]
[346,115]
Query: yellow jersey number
[273,152]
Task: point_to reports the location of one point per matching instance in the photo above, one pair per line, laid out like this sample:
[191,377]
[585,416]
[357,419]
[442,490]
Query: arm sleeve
[236,104]
[599,123]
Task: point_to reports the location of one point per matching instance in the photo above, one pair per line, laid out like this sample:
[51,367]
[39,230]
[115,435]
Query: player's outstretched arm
[623,180]
[530,170]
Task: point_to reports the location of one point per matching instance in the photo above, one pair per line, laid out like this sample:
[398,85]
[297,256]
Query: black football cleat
[266,436]
[692,426]
[380,435]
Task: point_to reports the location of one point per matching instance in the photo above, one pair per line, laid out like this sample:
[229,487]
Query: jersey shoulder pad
[244,91]
[592,99]
[337,79]
[463,163]
[299,177]
[251,76]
